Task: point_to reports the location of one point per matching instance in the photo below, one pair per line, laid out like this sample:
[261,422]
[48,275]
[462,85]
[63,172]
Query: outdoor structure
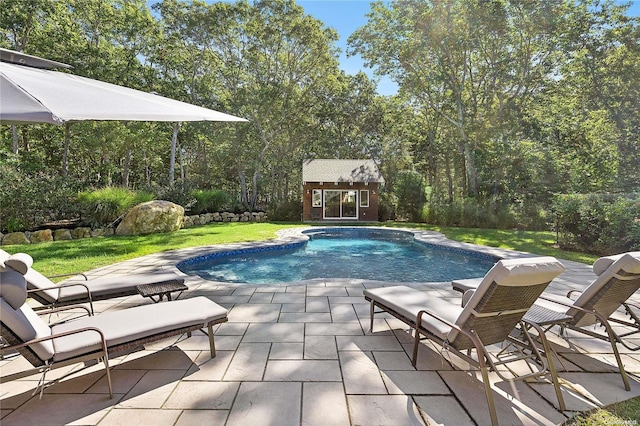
[347,190]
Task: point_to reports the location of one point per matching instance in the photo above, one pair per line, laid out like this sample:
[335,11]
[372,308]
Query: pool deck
[302,354]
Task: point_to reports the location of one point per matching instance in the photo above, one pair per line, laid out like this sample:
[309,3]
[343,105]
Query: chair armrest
[58,287]
[54,310]
[57,335]
[69,275]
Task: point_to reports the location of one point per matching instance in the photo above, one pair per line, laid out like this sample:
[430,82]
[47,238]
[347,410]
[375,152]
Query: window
[364,198]
[317,198]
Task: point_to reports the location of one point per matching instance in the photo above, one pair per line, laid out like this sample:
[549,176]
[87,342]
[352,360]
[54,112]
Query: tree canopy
[501,105]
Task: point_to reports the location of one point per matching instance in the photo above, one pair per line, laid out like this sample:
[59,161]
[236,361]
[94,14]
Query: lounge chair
[93,337]
[48,294]
[491,314]
[600,303]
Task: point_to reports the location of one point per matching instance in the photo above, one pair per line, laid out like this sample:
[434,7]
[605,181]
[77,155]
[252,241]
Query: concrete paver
[302,354]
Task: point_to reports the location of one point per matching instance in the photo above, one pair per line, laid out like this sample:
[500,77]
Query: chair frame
[485,360]
[43,366]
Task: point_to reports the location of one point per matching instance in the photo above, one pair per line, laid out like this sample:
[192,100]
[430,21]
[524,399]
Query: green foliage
[103,206]
[410,191]
[28,200]
[599,223]
[210,201]
[290,211]
[181,194]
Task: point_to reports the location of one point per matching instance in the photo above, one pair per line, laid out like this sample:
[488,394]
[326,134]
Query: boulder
[15,238]
[152,217]
[81,232]
[41,236]
[62,234]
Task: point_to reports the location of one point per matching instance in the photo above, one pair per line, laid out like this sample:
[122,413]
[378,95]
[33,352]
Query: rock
[41,236]
[62,234]
[15,238]
[152,217]
[81,232]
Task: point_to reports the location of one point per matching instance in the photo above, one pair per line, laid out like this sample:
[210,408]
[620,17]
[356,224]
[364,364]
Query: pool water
[370,254]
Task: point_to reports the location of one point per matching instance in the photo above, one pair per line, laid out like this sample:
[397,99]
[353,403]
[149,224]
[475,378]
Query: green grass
[62,257]
[623,413]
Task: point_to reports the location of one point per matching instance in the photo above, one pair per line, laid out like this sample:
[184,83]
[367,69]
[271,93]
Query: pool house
[340,190]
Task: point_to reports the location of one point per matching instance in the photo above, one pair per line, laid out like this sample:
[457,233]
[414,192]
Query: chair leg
[212,346]
[371,312]
[484,370]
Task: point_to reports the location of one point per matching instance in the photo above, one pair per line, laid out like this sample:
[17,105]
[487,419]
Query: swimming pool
[352,253]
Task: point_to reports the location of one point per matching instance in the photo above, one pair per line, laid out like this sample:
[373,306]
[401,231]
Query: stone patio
[302,354]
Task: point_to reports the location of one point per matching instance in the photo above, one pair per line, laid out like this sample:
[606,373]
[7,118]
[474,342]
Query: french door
[340,204]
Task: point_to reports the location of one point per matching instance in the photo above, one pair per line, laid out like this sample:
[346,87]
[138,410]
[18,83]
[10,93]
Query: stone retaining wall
[32,237]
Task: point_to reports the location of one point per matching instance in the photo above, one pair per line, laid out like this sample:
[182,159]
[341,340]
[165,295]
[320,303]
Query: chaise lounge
[489,317]
[48,294]
[93,337]
[596,311]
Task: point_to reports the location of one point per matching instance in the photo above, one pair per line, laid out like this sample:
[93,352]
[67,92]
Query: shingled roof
[340,171]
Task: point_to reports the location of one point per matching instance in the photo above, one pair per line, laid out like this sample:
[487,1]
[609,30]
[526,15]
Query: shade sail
[32,95]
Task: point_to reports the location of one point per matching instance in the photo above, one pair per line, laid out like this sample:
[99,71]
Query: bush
[27,200]
[289,211]
[103,206]
[410,190]
[599,223]
[210,201]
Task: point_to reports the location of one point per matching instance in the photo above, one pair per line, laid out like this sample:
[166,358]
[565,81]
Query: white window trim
[360,196]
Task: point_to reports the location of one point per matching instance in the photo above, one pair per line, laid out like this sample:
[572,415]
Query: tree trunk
[126,168]
[14,133]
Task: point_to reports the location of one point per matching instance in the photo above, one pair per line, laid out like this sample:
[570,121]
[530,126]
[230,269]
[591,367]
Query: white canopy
[32,95]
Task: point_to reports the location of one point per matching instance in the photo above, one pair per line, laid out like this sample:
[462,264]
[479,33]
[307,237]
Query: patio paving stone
[287,351]
[443,410]
[320,347]
[249,362]
[125,417]
[202,417]
[152,390]
[383,410]
[203,395]
[324,404]
[302,354]
[303,371]
[274,332]
[267,403]
[360,374]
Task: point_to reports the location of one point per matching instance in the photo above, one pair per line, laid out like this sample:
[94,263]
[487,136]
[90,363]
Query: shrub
[410,190]
[599,223]
[289,211]
[103,206]
[29,199]
[210,201]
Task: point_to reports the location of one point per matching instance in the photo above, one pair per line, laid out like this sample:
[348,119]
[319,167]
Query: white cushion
[603,263]
[13,288]
[131,324]
[20,262]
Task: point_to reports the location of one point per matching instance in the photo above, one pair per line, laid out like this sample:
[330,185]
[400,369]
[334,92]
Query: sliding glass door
[340,204]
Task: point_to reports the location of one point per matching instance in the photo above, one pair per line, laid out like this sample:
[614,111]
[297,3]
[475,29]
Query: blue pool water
[371,254]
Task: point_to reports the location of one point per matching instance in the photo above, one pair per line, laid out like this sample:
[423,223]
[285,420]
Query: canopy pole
[172,159]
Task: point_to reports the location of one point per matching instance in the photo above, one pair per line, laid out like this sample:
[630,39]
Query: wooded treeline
[502,104]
